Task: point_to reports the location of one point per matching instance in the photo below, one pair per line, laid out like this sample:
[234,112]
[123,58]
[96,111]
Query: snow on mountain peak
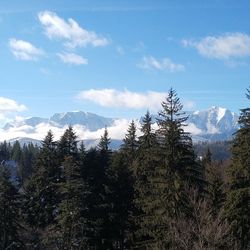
[221,113]
[215,123]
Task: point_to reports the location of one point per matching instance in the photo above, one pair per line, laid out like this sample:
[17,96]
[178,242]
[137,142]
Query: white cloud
[70,31]
[116,131]
[191,128]
[71,58]
[226,46]
[124,99]
[8,108]
[23,50]
[9,105]
[149,62]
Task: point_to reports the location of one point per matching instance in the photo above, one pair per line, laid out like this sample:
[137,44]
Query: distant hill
[213,124]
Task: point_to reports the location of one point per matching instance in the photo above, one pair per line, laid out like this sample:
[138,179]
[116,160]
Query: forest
[152,193]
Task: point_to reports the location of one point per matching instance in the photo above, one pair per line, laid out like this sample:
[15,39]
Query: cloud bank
[126,99]
[38,132]
[123,99]
[226,46]
[9,105]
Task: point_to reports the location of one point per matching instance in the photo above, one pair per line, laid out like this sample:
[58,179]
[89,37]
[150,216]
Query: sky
[120,58]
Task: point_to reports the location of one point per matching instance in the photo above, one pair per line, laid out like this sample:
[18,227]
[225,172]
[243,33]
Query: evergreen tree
[9,213]
[70,231]
[237,203]
[16,152]
[130,143]
[103,145]
[28,158]
[215,186]
[97,175]
[5,151]
[67,145]
[122,201]
[176,168]
[177,147]
[73,220]
[146,162]
[42,189]
[213,174]
[105,155]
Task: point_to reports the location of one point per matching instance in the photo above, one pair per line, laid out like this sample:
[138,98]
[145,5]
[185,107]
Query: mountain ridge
[215,123]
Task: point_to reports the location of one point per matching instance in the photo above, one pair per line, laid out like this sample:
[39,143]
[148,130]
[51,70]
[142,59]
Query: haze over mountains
[213,124]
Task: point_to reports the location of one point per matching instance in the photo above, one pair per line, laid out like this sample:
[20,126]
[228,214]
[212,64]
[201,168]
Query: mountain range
[213,124]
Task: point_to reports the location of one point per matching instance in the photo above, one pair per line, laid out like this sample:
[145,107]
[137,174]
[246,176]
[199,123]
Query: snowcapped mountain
[90,121]
[215,123]
[212,124]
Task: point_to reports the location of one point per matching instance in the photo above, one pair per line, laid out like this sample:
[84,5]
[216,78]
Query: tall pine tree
[176,168]
[146,162]
[42,189]
[72,221]
[237,207]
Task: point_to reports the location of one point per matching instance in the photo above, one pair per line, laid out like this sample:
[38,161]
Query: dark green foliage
[177,147]
[5,151]
[16,152]
[220,150]
[41,191]
[170,167]
[67,145]
[72,220]
[215,184]
[9,213]
[238,198]
[27,160]
[145,165]
[121,179]
[100,193]
[130,143]
[103,145]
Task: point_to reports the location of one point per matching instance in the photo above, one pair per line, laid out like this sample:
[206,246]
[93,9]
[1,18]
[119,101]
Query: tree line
[152,193]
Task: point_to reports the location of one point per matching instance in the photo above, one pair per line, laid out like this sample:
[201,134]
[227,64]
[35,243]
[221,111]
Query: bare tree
[202,230]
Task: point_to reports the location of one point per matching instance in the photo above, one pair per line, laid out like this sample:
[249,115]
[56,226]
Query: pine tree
[107,192]
[213,174]
[146,162]
[237,203]
[42,189]
[103,145]
[72,221]
[176,143]
[28,158]
[16,152]
[9,213]
[122,200]
[5,151]
[176,168]
[130,143]
[67,145]
[95,177]
[100,193]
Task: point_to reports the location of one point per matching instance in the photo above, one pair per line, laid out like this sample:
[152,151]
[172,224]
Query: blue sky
[119,58]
